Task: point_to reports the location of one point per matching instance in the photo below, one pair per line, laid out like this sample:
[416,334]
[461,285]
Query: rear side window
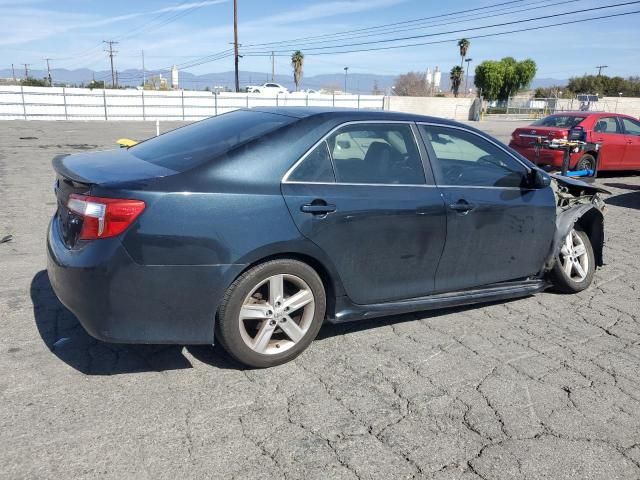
[316,167]
[195,144]
[560,121]
[631,127]
[376,153]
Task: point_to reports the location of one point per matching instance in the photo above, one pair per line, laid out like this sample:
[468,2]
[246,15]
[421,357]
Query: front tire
[271,313]
[575,263]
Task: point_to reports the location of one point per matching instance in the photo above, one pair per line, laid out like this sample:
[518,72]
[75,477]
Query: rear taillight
[104,217]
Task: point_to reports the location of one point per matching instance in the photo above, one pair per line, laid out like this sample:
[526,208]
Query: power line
[221,55]
[404,22]
[502,24]
[531,6]
[600,67]
[528,29]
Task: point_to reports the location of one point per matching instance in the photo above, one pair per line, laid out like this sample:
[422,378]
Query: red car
[618,135]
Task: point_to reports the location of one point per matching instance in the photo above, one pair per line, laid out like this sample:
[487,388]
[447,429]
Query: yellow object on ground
[126,142]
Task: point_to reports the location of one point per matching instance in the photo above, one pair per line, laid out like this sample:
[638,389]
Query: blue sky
[171,31]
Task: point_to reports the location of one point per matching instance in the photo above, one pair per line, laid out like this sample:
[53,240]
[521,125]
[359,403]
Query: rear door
[362,195]
[498,229]
[631,160]
[608,132]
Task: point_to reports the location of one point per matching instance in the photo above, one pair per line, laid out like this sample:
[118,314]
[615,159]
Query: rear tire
[271,313]
[586,162]
[575,263]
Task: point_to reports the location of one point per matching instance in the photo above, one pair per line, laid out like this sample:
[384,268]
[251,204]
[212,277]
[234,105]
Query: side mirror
[539,179]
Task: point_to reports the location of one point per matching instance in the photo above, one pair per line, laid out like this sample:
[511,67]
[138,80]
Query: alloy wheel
[276,314]
[574,258]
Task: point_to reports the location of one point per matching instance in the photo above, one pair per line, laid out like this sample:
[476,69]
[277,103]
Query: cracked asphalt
[541,387]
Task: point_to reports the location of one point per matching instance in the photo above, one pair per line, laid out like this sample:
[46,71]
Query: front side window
[631,127]
[466,159]
[376,153]
[607,125]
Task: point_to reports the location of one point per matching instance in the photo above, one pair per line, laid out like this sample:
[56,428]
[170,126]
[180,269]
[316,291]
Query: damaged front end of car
[578,204]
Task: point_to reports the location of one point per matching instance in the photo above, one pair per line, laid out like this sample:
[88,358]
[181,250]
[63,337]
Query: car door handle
[462,206]
[318,208]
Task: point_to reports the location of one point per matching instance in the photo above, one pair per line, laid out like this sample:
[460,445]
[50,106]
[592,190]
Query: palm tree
[463,45]
[297,61]
[456,79]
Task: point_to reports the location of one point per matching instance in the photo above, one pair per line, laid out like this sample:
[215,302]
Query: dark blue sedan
[257,225]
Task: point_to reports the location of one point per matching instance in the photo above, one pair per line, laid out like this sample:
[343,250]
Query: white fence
[59,103]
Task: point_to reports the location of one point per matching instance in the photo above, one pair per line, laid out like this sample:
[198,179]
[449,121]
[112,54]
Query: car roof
[588,114]
[348,114]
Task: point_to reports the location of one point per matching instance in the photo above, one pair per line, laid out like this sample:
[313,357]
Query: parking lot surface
[541,387]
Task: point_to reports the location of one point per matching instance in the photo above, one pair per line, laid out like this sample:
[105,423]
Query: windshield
[562,121]
[195,144]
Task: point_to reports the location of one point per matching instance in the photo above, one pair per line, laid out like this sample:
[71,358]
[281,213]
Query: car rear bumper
[118,300]
[546,157]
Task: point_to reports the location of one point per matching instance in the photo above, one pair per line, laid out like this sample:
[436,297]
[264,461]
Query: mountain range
[363,83]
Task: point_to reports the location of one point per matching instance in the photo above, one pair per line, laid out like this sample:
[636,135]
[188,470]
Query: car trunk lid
[526,136]
[77,174]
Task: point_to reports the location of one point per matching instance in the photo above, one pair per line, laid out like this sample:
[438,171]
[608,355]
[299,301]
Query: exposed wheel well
[320,269]
[592,222]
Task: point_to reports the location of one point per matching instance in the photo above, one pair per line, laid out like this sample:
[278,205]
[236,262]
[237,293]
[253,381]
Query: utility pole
[26,70]
[111,53]
[13,72]
[346,70]
[273,66]
[466,81]
[49,72]
[600,67]
[235,42]
[144,76]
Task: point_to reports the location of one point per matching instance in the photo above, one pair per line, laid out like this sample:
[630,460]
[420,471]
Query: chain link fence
[534,108]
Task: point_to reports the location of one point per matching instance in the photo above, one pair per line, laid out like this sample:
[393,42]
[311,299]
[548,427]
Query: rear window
[195,144]
[561,121]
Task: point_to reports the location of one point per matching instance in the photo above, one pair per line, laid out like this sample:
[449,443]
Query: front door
[608,133]
[362,196]
[631,160]
[497,228]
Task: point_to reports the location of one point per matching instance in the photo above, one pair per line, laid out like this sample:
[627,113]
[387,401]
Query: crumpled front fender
[589,217]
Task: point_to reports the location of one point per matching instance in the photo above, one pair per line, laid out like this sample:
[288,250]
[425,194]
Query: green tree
[499,80]
[455,76]
[297,62]
[488,79]
[604,85]
[96,84]
[34,82]
[463,45]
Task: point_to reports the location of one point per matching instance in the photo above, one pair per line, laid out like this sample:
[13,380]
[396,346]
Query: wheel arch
[589,219]
[322,266]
